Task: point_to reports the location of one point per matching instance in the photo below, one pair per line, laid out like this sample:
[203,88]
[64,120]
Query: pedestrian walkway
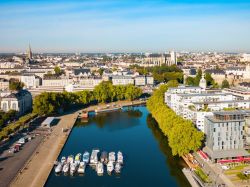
[216,174]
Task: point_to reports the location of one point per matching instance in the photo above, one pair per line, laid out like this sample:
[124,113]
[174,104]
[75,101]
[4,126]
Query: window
[4,106]
[14,106]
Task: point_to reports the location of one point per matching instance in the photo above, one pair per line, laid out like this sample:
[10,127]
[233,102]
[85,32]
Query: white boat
[63,160]
[78,159]
[70,159]
[117,168]
[72,168]
[110,167]
[58,168]
[81,168]
[99,168]
[66,168]
[85,157]
[94,156]
[119,157]
[112,156]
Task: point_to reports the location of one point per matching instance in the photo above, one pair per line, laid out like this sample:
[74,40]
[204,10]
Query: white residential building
[122,80]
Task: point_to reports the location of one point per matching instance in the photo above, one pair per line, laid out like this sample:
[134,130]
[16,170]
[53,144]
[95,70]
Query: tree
[225,84]
[183,137]
[15,85]
[209,79]
[58,70]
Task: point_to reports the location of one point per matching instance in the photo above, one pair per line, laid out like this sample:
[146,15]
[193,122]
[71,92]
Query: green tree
[15,85]
[183,137]
[225,84]
[58,70]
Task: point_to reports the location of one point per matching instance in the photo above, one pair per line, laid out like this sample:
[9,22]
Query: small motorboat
[70,159]
[72,168]
[63,160]
[99,168]
[119,157]
[58,168]
[85,157]
[66,168]
[110,167]
[78,159]
[81,168]
[118,167]
[112,156]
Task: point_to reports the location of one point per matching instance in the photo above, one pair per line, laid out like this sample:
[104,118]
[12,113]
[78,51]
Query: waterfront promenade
[37,169]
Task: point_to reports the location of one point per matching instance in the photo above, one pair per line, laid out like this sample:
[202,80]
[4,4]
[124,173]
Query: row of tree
[48,102]
[161,73]
[183,137]
[6,117]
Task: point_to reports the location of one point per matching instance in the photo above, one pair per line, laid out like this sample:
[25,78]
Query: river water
[147,158]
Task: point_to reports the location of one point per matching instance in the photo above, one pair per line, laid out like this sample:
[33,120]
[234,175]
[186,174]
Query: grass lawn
[203,176]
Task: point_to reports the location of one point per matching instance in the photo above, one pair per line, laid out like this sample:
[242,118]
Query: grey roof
[215,71]
[225,153]
[81,70]
[245,84]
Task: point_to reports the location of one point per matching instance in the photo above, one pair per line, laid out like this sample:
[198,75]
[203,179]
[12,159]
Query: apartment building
[225,135]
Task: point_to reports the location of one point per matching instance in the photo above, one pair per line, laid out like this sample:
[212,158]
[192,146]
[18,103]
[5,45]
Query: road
[10,164]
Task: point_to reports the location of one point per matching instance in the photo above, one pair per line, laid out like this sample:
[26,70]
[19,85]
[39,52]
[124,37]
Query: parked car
[247,172]
[225,167]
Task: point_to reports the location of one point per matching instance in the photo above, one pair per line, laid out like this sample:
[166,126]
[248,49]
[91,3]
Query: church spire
[29,53]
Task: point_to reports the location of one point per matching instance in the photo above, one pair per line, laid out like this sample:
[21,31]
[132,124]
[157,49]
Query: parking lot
[12,163]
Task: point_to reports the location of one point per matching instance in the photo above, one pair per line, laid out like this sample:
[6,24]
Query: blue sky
[124,25]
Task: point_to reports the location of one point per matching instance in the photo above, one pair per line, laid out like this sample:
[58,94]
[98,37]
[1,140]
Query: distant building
[225,135]
[31,80]
[245,57]
[160,59]
[19,101]
[56,82]
[122,80]
[140,80]
[203,82]
[29,53]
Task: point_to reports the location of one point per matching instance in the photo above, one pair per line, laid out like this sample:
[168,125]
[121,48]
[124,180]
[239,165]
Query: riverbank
[37,169]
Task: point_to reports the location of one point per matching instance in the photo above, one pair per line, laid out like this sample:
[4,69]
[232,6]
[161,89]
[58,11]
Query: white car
[247,172]
[225,167]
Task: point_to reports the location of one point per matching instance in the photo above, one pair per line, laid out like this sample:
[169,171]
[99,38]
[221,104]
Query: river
[147,157]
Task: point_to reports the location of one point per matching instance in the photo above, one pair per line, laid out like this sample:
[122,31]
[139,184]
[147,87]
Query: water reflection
[109,120]
[174,163]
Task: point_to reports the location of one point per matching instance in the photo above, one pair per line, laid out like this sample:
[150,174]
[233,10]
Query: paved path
[10,164]
[39,167]
[214,172]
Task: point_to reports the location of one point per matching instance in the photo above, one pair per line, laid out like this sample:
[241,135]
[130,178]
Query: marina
[78,166]
[142,146]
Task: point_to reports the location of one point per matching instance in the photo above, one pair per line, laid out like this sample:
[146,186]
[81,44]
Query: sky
[124,25]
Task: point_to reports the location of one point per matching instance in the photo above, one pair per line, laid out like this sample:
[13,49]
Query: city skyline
[124,26]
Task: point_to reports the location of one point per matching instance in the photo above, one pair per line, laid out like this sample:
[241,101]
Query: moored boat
[110,167]
[85,157]
[72,168]
[99,168]
[94,156]
[81,168]
[78,159]
[117,168]
[120,157]
[70,159]
[58,168]
[112,156]
[63,160]
[66,168]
